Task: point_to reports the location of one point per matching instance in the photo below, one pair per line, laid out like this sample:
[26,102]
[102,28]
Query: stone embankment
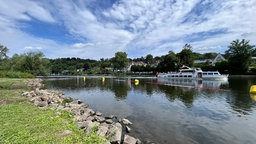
[116,130]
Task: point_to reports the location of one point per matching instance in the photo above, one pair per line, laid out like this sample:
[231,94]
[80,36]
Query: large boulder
[89,125]
[129,140]
[103,129]
[115,133]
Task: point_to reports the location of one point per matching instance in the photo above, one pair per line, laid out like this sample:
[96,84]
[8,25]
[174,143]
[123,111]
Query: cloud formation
[99,29]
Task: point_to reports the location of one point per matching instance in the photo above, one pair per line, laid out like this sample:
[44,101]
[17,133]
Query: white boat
[184,72]
[193,73]
[214,75]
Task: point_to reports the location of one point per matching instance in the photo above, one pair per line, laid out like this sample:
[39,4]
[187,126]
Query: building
[218,58]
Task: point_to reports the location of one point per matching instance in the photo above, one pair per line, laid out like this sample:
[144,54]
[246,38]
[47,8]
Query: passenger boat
[214,75]
[186,72]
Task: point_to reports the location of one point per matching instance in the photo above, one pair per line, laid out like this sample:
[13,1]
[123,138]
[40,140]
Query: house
[218,58]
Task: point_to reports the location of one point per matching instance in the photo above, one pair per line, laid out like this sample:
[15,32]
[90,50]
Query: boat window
[216,74]
[204,73]
[190,76]
[210,73]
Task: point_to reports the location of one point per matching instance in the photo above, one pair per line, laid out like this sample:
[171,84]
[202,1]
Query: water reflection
[173,111]
[240,99]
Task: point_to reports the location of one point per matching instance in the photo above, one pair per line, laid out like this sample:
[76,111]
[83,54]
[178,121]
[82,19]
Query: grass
[21,122]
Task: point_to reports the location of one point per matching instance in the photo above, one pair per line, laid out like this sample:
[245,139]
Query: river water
[172,111]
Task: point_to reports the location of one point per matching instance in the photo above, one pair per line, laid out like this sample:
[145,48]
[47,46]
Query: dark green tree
[169,63]
[149,59]
[186,56]
[239,56]
[120,61]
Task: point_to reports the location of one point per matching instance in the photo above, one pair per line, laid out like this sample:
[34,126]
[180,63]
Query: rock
[98,114]
[109,121]
[138,142]
[128,129]
[89,125]
[81,118]
[99,119]
[81,125]
[129,140]
[41,104]
[126,122]
[25,93]
[91,118]
[109,117]
[60,107]
[103,129]
[76,102]
[115,133]
[66,133]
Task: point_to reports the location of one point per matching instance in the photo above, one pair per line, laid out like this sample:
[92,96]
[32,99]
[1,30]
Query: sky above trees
[100,28]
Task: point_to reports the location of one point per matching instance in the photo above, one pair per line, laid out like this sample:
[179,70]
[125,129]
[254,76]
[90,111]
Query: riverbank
[83,120]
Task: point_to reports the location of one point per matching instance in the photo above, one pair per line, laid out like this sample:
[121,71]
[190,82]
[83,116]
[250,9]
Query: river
[172,111]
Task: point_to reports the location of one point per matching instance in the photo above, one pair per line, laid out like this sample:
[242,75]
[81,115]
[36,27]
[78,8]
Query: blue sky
[99,28]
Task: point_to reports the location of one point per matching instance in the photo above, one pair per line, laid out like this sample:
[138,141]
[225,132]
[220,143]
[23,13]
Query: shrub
[15,74]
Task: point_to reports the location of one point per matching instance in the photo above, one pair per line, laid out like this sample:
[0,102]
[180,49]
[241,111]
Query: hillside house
[218,58]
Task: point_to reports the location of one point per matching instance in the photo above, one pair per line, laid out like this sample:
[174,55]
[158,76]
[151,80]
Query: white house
[218,58]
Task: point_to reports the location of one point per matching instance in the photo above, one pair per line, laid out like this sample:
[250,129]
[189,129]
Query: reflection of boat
[193,73]
[193,83]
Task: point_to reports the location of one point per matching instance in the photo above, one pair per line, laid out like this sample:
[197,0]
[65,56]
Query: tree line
[239,61]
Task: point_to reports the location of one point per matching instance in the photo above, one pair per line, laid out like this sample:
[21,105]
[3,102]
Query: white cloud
[32,48]
[136,27]
[82,45]
[24,10]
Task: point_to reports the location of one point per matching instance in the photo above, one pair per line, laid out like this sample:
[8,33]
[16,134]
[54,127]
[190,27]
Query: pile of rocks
[116,130]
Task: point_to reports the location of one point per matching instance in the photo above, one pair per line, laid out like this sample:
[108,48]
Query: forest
[238,61]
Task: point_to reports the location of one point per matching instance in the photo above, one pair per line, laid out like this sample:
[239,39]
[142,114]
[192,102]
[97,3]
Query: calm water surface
[173,111]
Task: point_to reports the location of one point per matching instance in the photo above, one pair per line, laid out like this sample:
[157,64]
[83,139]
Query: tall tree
[120,61]
[3,52]
[3,57]
[169,63]
[186,56]
[239,56]
[149,59]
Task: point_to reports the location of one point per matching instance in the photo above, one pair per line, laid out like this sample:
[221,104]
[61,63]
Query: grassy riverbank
[22,122]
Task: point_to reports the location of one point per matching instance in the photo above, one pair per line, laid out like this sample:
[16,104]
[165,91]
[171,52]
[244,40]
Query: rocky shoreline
[114,129]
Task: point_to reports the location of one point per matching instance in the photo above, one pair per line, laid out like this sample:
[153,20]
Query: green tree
[239,56]
[186,56]
[31,62]
[120,60]
[3,57]
[149,59]
[169,63]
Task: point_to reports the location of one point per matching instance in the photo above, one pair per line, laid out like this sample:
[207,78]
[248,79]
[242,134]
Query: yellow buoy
[136,82]
[84,78]
[253,89]
[103,79]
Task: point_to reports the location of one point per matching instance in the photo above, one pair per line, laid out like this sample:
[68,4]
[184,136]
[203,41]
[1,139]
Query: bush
[15,74]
